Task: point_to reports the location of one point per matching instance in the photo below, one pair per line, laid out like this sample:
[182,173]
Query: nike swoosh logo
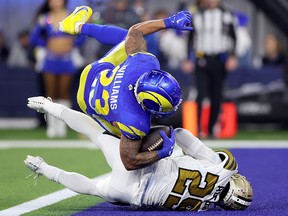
[179,20]
[84,8]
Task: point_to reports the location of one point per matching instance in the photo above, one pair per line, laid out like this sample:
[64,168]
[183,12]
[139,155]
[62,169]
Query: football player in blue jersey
[124,88]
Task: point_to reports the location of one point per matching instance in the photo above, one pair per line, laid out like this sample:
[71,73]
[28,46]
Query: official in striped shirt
[212,46]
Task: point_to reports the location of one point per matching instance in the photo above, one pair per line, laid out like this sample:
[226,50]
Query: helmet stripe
[157,98]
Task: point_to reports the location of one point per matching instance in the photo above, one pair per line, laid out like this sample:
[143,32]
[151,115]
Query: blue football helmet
[158,92]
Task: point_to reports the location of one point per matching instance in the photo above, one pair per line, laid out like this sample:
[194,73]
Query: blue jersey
[106,92]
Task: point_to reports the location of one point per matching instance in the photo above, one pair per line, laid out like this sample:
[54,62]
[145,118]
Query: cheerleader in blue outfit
[56,58]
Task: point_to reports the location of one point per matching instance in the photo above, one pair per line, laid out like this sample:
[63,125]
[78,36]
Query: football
[153,140]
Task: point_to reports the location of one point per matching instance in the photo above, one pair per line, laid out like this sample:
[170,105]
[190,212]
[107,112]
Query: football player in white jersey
[190,180]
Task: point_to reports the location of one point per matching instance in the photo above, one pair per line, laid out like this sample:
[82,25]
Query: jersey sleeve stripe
[231,163]
[116,56]
[131,130]
[81,89]
[107,126]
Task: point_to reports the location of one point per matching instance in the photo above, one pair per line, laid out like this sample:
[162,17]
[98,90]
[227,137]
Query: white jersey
[184,183]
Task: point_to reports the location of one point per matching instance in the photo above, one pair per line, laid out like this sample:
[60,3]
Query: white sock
[77,182]
[51,172]
[73,181]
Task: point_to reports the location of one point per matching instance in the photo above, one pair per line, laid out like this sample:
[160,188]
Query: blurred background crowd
[254,79]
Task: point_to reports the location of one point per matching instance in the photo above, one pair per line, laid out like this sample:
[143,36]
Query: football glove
[72,23]
[181,21]
[168,144]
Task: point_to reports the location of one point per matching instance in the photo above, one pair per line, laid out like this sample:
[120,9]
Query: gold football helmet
[238,195]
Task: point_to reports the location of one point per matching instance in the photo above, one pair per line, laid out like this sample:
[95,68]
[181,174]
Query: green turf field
[16,189]
[32,134]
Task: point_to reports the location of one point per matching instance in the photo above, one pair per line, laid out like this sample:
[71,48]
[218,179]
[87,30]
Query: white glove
[37,103]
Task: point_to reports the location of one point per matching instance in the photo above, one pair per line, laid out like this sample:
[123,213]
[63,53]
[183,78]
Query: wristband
[161,154]
[168,22]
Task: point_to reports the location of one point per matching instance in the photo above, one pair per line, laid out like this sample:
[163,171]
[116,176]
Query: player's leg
[201,84]
[74,181]
[106,187]
[122,184]
[109,145]
[216,87]
[107,35]
[75,23]
[191,145]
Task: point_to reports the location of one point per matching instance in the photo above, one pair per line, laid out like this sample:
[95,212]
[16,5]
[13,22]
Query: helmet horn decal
[164,104]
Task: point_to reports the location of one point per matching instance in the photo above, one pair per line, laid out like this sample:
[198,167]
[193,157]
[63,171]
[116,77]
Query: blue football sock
[108,35]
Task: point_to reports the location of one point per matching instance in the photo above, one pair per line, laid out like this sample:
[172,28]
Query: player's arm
[133,159]
[135,41]
[192,146]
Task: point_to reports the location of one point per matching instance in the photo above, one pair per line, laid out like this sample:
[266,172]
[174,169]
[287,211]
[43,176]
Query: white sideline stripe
[88,144]
[18,123]
[42,201]
[47,144]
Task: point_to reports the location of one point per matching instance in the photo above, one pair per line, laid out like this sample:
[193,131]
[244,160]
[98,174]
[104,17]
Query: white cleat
[34,163]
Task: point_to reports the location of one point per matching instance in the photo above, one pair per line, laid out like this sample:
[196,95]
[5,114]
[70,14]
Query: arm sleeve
[108,35]
[192,146]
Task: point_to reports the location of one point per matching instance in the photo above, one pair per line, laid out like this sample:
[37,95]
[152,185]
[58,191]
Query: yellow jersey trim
[131,130]
[117,56]
[81,89]
[109,127]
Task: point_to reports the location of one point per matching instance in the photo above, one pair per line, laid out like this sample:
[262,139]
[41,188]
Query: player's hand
[72,23]
[182,21]
[168,144]
[37,103]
